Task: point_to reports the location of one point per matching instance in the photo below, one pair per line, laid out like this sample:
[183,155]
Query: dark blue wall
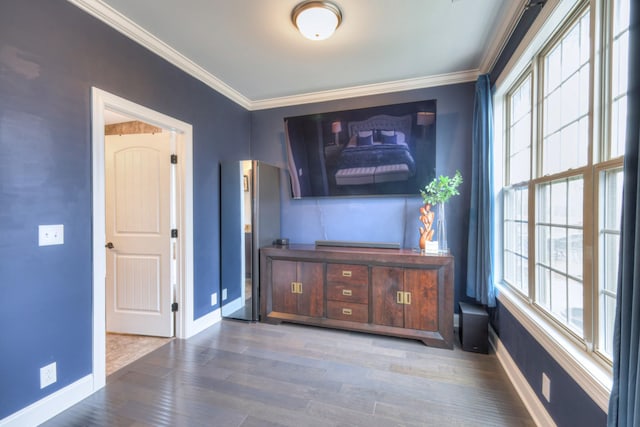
[377,219]
[51,54]
[570,405]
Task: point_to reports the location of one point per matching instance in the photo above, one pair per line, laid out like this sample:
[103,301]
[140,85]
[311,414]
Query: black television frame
[317,160]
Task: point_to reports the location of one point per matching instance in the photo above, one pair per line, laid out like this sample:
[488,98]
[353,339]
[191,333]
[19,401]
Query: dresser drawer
[358,293]
[348,311]
[347,273]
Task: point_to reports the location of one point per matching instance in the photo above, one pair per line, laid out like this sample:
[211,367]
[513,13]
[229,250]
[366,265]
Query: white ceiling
[250,51]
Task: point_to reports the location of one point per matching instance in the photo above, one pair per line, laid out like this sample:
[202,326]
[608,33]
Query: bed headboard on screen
[382,122]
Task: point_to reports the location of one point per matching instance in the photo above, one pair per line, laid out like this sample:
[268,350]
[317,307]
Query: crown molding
[130,29]
[366,90]
[502,35]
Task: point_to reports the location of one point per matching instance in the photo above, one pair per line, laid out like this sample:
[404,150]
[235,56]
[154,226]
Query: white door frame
[185,325]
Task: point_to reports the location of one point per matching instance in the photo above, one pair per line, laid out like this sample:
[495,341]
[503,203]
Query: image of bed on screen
[386,150]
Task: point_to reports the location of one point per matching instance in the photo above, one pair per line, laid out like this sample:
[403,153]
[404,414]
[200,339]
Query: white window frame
[579,357]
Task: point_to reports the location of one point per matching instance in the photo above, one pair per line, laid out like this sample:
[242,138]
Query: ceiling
[250,51]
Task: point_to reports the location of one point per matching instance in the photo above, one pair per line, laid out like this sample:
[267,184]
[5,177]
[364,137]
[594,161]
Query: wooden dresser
[394,292]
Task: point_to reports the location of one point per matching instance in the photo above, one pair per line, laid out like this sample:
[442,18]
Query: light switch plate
[50,235]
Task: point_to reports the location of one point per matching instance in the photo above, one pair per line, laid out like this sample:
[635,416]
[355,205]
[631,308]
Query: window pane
[543,290]
[611,248]
[516,238]
[520,133]
[575,306]
[544,244]
[609,317]
[565,101]
[575,195]
[559,249]
[574,253]
[553,64]
[619,77]
[610,200]
[559,202]
[559,296]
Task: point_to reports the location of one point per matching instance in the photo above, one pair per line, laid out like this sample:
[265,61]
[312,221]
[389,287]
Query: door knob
[109,245]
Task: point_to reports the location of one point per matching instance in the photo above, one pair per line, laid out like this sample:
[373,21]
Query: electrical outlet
[546,387]
[224,294]
[50,235]
[48,375]
[214,298]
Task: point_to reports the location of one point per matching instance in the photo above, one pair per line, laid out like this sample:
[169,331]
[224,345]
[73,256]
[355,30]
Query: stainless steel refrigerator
[249,220]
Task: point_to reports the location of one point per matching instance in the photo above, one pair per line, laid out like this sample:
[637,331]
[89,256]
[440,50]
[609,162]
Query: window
[516,242]
[563,145]
[609,248]
[559,202]
[619,84]
[516,204]
[565,140]
[559,235]
[520,133]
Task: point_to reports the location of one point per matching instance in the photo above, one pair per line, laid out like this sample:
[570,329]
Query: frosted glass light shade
[316,20]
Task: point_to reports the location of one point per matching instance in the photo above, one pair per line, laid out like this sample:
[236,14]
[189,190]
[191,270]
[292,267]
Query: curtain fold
[480,243]
[624,404]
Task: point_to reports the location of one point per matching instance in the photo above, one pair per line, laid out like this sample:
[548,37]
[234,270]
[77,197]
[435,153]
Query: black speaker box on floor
[474,328]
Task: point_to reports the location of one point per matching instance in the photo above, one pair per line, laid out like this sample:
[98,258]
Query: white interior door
[138,204]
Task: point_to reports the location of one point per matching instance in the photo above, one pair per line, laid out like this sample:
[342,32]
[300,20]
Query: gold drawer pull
[346,292]
[346,311]
[296,287]
[346,273]
[403,298]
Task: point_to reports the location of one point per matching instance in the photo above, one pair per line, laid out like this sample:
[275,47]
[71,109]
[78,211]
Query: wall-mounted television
[384,150]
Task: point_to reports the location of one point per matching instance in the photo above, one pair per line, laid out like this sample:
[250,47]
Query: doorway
[139,181]
[182,247]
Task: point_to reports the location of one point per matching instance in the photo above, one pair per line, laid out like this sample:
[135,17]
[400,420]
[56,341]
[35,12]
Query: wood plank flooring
[255,374]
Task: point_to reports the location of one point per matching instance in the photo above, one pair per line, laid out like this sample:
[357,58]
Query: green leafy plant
[441,189]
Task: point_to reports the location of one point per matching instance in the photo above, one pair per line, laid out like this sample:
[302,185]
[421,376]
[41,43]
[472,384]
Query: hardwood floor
[255,374]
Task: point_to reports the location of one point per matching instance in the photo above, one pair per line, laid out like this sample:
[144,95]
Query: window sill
[594,378]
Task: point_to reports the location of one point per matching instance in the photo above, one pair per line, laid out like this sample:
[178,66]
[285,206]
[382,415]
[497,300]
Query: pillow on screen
[365,140]
[387,132]
[389,139]
[365,133]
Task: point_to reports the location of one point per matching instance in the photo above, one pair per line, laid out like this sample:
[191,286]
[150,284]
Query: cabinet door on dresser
[422,310]
[387,284]
[405,298]
[297,287]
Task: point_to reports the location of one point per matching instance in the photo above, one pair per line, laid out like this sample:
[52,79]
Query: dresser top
[342,253]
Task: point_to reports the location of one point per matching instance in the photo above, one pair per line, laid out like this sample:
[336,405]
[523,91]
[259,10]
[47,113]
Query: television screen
[385,150]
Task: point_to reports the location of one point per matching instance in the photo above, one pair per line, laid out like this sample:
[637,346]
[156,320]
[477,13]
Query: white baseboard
[50,406]
[203,323]
[530,399]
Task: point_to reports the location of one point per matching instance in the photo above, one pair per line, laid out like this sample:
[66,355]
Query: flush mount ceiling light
[316,20]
